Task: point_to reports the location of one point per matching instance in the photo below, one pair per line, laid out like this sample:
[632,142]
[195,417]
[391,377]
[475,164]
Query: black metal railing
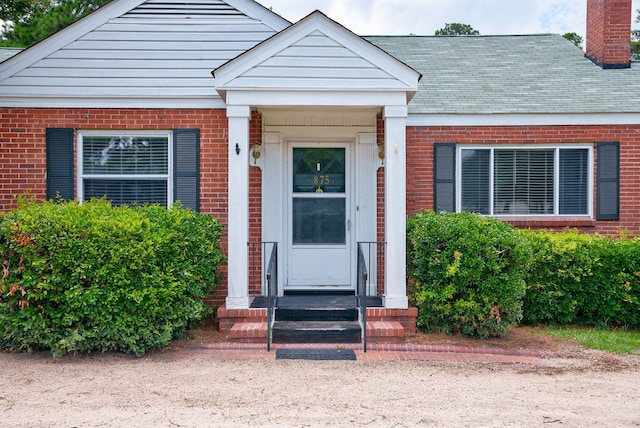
[374,253]
[361,293]
[271,275]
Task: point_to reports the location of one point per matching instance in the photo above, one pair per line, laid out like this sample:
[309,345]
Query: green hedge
[92,277]
[466,273]
[582,279]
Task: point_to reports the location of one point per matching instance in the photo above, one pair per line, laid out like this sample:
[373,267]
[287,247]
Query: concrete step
[316,314]
[316,332]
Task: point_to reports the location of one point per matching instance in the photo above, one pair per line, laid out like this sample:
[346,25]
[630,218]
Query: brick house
[315,138]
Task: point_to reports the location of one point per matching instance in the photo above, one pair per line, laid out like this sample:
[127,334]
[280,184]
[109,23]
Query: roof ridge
[463,36]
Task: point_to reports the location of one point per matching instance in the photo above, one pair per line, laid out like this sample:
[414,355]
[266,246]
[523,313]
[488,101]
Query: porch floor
[316,300]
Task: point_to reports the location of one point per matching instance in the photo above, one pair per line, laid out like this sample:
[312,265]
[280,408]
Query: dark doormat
[316,354]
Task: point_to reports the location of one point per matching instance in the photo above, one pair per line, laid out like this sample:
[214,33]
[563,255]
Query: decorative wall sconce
[255,152]
[237,148]
[381,153]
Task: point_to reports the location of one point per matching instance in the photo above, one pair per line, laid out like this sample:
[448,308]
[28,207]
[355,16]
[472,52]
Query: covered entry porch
[322,94]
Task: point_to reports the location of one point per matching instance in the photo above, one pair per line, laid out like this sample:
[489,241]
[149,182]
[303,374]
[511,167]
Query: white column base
[237,302]
[395,302]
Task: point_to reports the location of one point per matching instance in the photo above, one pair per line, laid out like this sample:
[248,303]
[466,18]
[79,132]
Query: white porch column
[238,220]
[395,173]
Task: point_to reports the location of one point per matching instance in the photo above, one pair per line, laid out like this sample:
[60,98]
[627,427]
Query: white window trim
[118,133]
[556,182]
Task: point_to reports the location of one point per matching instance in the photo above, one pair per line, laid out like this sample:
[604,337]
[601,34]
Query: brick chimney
[609,33]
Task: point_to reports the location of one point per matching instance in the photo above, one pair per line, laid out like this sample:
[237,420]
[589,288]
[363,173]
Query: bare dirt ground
[177,387]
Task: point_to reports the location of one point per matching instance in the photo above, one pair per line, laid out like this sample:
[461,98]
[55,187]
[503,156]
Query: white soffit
[316,54]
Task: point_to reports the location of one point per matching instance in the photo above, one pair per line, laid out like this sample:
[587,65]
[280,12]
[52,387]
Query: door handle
[348,225]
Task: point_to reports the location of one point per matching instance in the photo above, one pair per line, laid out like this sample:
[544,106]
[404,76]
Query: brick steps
[250,325]
[377,332]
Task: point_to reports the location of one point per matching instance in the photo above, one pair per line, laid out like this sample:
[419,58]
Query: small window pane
[121,192]
[117,155]
[523,182]
[573,181]
[319,221]
[475,180]
[319,170]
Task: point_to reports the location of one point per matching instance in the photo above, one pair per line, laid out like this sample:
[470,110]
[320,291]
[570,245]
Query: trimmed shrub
[92,277]
[466,273]
[582,279]
[612,294]
[561,264]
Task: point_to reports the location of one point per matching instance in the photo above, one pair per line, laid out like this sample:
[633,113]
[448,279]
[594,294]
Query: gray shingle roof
[510,74]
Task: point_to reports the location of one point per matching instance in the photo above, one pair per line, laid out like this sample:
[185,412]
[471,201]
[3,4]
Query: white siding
[159,50]
[317,60]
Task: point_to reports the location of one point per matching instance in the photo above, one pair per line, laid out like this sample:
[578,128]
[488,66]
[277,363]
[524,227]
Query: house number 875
[320,180]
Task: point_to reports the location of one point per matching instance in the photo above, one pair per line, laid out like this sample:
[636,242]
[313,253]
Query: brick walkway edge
[375,352]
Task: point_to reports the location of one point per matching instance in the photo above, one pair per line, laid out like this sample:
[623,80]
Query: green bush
[582,279]
[561,264]
[466,273]
[612,294]
[92,277]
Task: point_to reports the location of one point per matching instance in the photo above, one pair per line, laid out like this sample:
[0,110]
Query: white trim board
[522,119]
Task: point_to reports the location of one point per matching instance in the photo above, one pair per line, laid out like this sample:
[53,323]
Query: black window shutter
[444,177]
[59,155]
[186,172]
[608,181]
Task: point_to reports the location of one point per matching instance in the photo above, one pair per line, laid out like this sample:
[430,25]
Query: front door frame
[341,282]
[394,118]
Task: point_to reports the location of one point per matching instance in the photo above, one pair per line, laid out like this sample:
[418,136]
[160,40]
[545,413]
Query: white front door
[318,220]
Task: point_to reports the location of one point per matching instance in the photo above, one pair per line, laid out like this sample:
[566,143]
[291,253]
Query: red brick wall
[420,141]
[255,210]
[23,161]
[380,200]
[609,31]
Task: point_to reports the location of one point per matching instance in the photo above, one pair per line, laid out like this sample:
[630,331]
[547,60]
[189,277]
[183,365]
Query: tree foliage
[635,40]
[16,10]
[457,29]
[30,21]
[575,38]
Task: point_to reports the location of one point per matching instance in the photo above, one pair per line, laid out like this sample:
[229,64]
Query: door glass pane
[319,221]
[318,170]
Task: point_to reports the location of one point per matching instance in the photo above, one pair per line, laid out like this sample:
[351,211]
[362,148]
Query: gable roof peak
[315,53]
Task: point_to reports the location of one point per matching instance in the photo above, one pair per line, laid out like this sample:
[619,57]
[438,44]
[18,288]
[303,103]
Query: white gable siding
[317,60]
[161,50]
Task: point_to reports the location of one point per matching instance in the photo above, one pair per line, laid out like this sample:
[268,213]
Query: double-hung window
[126,166]
[532,180]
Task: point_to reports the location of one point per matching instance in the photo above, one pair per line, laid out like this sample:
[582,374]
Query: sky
[424,17]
